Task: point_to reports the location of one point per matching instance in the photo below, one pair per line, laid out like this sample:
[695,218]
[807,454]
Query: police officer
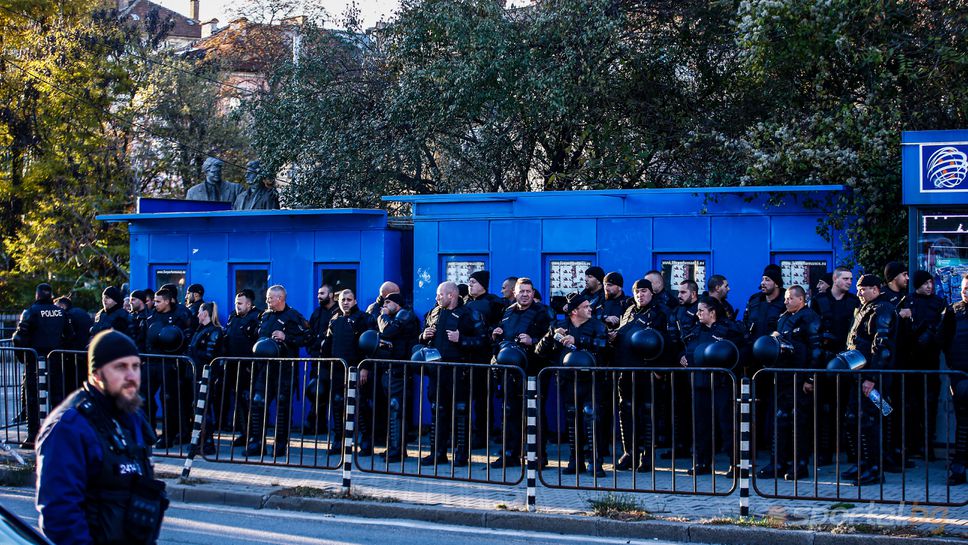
[928,311]
[718,287]
[578,331]
[194,298]
[274,380]
[634,393]
[43,326]
[764,308]
[683,323]
[241,333]
[594,290]
[208,343]
[956,357]
[81,323]
[139,319]
[895,290]
[798,333]
[458,333]
[184,312]
[522,326]
[836,309]
[95,482]
[316,391]
[112,315]
[507,291]
[713,326]
[399,328]
[376,307]
[342,341]
[491,308]
[873,334]
[615,303]
[168,334]
[666,299]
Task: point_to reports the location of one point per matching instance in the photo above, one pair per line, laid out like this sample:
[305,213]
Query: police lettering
[51,313]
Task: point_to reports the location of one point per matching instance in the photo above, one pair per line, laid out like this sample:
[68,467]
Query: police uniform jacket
[955,338]
[207,344]
[192,310]
[139,329]
[927,316]
[873,334]
[81,323]
[318,326]
[343,337]
[722,329]
[115,318]
[467,321]
[159,320]
[43,326]
[836,317]
[636,319]
[241,332]
[590,336]
[291,323]
[532,321]
[90,456]
[613,307]
[762,315]
[401,331]
[489,306]
[802,330]
[683,324]
[667,302]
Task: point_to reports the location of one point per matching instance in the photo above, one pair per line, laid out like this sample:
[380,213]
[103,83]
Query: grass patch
[17,475]
[778,523]
[619,507]
[311,492]
[839,506]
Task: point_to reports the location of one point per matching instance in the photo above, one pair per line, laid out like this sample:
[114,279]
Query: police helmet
[511,354]
[266,348]
[404,315]
[578,358]
[647,343]
[766,350]
[170,338]
[722,353]
[849,359]
[369,341]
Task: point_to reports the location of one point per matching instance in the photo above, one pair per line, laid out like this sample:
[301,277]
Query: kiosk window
[676,271]
[253,277]
[339,277]
[175,274]
[943,250]
[459,269]
[803,272]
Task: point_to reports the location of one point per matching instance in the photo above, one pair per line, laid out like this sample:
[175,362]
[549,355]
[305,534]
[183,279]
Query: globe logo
[947,167]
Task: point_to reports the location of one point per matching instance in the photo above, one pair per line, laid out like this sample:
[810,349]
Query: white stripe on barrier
[744,408]
[198,419]
[744,445]
[532,438]
[744,426]
[744,464]
[203,388]
[349,426]
[351,393]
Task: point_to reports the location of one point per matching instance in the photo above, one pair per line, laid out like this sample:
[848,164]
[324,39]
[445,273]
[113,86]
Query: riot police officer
[112,315]
[718,287]
[43,326]
[594,290]
[207,344]
[895,290]
[683,324]
[666,299]
[457,333]
[399,328]
[956,357]
[274,380]
[873,334]
[241,333]
[615,303]
[316,391]
[194,298]
[928,311]
[713,327]
[376,307]
[634,393]
[507,291]
[491,308]
[576,333]
[797,342]
[522,326]
[139,319]
[95,478]
[342,341]
[168,333]
[81,323]
[764,308]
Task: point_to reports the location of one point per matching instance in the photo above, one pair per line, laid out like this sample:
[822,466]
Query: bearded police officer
[95,483]
[928,311]
[634,393]
[316,391]
[895,290]
[457,333]
[399,328]
[764,308]
[579,332]
[241,333]
[522,326]
[718,287]
[615,303]
[956,357]
[797,337]
[169,331]
[274,380]
[43,326]
[594,290]
[376,307]
[873,334]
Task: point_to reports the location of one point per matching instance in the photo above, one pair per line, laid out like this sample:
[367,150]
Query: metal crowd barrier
[247,408]
[610,412]
[168,390]
[66,371]
[24,400]
[440,420]
[835,443]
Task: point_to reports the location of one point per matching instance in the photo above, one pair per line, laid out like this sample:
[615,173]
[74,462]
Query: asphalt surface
[207,524]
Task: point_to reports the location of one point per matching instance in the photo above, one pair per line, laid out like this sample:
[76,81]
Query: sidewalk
[261,485]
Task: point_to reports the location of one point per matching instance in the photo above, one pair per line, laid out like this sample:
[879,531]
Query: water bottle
[880,402]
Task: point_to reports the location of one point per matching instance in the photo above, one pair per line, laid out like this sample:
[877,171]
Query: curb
[537,522]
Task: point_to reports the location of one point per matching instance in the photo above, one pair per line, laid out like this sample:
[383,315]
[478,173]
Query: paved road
[203,524]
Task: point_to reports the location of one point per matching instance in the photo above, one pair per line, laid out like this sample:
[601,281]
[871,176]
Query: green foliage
[466,96]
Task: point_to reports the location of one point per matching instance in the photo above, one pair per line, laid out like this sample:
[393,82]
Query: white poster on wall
[567,276]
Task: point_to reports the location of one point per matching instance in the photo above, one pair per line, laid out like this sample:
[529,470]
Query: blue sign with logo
[944,168]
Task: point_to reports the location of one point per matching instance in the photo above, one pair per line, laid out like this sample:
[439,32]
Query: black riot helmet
[511,354]
[578,358]
[647,343]
[170,338]
[766,350]
[722,353]
[266,348]
[369,341]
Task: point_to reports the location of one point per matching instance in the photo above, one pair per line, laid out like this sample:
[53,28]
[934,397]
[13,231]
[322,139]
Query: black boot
[590,417]
[576,462]
[630,453]
[438,445]
[394,452]
[339,426]
[257,441]
[461,428]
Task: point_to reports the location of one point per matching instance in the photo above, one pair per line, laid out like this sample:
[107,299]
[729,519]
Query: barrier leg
[532,441]
[744,448]
[349,431]
[198,423]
